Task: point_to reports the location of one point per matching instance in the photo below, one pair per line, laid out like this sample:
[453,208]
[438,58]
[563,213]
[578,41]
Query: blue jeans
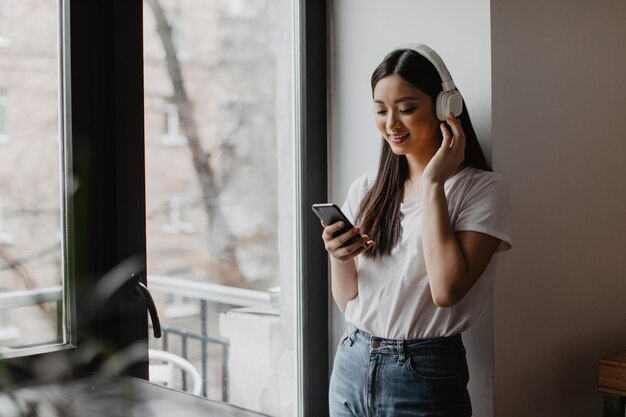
[376,377]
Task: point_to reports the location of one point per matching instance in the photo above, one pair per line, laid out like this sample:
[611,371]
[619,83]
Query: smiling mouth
[398,138]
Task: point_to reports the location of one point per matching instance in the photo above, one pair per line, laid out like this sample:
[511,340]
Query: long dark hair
[379,214]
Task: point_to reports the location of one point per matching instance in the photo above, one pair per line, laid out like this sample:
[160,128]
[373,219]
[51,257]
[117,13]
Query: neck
[417,164]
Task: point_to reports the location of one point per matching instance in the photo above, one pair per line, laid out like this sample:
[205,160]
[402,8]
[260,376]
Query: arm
[344,284]
[343,269]
[454,261]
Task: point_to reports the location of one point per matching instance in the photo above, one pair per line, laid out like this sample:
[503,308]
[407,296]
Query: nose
[392,121]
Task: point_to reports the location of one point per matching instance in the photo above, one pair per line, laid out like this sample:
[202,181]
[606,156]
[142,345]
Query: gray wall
[363,32]
[559,104]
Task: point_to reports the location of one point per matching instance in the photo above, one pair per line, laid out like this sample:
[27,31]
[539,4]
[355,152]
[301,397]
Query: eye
[408,110]
[380,111]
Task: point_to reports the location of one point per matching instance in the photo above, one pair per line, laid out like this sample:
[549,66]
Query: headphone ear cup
[449,101]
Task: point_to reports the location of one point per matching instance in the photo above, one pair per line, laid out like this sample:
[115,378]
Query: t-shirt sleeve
[487,210]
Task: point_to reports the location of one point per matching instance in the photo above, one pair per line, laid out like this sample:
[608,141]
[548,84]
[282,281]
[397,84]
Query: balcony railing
[22,298]
[209,298]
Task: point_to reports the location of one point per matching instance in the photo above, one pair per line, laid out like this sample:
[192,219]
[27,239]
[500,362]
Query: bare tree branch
[200,156]
[225,270]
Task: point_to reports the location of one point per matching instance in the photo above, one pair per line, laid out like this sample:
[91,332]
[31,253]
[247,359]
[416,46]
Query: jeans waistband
[448,345]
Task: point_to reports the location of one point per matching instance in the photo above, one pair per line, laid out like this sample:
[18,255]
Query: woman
[432,219]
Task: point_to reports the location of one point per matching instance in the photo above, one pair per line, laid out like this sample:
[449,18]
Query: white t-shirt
[394,299]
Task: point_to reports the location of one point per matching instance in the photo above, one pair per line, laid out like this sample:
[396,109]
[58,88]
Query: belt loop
[352,335]
[401,352]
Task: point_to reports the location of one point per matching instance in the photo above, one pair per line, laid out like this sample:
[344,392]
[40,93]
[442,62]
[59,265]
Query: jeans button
[375,343]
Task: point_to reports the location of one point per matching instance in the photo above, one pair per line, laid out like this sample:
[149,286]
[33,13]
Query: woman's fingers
[343,238]
[332,241]
[447,138]
[334,245]
[458,136]
[455,125]
[329,231]
[355,249]
[450,154]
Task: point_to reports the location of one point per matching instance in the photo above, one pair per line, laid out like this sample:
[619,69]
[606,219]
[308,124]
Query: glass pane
[31,260]
[220,199]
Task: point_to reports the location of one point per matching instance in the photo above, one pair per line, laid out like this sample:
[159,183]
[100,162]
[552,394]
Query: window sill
[116,397]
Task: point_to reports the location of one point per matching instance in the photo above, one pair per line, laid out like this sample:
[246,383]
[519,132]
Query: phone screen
[330,213]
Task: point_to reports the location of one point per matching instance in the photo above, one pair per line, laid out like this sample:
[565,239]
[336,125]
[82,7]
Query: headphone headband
[446,79]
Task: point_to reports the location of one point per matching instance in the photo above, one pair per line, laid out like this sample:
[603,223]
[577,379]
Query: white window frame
[176,213]
[171,135]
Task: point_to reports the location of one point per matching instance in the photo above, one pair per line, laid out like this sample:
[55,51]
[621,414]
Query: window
[176,223]
[85,285]
[32,258]
[229,242]
[231,289]
[275,151]
[171,129]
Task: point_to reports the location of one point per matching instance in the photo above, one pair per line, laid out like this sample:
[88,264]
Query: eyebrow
[401,99]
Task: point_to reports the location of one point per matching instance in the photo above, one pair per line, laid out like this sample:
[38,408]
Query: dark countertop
[113,397]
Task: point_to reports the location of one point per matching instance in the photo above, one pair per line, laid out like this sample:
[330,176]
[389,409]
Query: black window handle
[143,291]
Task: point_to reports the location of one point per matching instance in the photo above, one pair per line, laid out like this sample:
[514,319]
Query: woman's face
[405,117]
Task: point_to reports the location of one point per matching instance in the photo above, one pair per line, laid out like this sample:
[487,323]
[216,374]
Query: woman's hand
[450,155]
[334,245]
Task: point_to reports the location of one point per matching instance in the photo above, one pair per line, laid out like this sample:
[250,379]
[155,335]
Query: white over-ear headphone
[449,100]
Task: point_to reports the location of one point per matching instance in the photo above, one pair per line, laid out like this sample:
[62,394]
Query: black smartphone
[329,213]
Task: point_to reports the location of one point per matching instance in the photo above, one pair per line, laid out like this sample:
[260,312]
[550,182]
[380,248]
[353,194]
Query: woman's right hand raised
[334,244]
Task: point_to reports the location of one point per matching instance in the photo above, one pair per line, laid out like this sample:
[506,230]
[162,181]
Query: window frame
[312,169]
[171,135]
[107,112]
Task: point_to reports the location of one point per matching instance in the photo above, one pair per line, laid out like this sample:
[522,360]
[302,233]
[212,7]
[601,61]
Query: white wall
[559,104]
[364,31]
